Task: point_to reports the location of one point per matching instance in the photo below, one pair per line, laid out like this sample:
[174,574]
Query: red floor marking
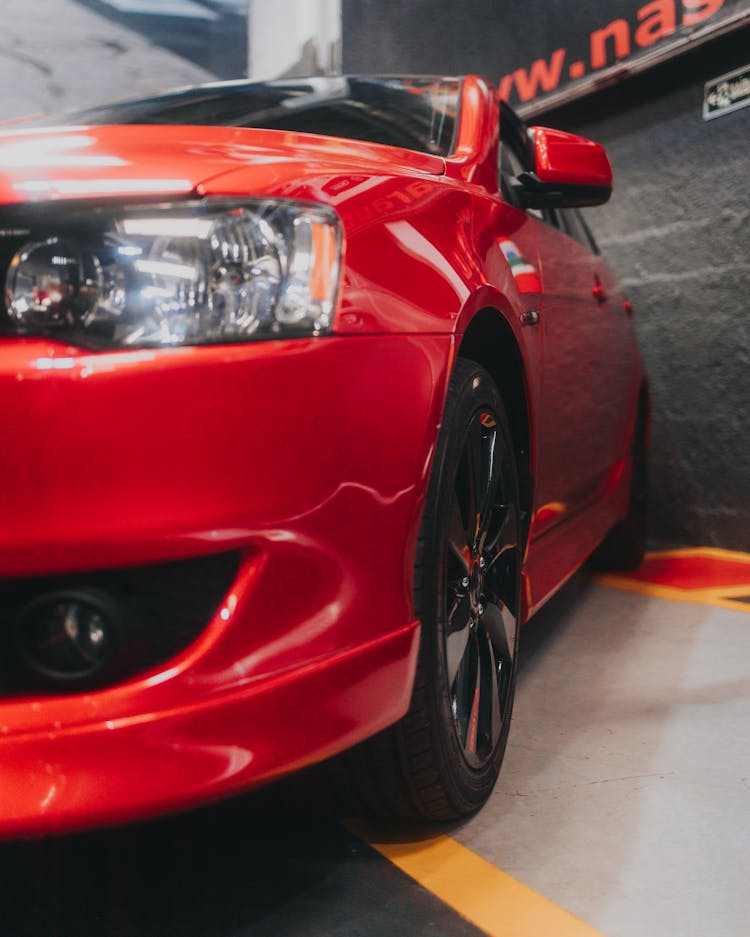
[694,572]
[702,574]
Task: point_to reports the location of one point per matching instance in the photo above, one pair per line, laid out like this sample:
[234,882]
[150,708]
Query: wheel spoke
[457,639]
[458,539]
[495,713]
[500,624]
[491,483]
[483,475]
[505,539]
[474,460]
[472,727]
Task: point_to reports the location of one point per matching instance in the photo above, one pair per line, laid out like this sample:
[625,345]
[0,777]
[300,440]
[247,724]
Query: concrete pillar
[289,38]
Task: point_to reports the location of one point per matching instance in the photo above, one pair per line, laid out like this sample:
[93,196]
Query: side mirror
[570,172]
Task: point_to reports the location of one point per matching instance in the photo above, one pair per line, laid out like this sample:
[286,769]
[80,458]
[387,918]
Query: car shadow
[275,861]
[213,871]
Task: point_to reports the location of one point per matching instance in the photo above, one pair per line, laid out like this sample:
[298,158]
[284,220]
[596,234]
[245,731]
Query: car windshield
[414,113]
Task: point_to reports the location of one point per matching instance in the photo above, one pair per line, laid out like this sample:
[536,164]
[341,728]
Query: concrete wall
[677,231]
[531,49]
[430,37]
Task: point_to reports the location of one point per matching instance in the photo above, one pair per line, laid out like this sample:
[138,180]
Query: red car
[312,394]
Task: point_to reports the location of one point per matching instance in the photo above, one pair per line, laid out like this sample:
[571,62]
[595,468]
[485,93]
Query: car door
[585,358]
[585,369]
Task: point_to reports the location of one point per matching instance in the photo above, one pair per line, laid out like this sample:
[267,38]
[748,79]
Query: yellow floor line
[697,596]
[715,552]
[718,596]
[738,591]
[491,899]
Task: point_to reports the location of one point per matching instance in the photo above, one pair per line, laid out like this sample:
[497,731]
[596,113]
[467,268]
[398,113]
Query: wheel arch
[489,341]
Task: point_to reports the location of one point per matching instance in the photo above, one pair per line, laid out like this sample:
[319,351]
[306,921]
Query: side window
[587,231]
[510,167]
[574,224]
[514,158]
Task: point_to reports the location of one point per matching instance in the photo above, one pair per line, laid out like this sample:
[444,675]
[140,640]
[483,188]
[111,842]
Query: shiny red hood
[128,160]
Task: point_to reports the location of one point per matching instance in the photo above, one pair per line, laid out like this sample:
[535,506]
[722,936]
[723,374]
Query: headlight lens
[179,275]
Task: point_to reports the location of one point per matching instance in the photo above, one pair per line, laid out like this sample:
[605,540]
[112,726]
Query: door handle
[598,291]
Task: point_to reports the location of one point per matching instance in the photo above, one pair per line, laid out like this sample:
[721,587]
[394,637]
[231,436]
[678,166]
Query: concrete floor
[624,799]
[625,794]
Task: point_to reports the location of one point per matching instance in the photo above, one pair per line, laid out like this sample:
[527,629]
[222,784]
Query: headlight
[178,275]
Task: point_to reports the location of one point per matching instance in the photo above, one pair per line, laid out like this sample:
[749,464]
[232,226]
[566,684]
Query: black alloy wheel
[481,590]
[442,760]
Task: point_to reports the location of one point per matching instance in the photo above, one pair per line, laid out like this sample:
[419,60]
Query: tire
[624,546]
[441,761]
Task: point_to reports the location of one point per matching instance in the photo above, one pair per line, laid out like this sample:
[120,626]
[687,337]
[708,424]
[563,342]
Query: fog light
[70,636]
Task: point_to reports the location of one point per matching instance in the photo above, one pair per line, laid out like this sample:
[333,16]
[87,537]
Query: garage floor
[624,803]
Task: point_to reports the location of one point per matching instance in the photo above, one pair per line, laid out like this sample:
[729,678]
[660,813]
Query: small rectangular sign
[728,93]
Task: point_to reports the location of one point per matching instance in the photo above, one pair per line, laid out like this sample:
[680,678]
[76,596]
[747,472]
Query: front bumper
[309,458]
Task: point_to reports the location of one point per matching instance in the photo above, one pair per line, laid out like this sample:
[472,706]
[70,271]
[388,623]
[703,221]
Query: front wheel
[442,760]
